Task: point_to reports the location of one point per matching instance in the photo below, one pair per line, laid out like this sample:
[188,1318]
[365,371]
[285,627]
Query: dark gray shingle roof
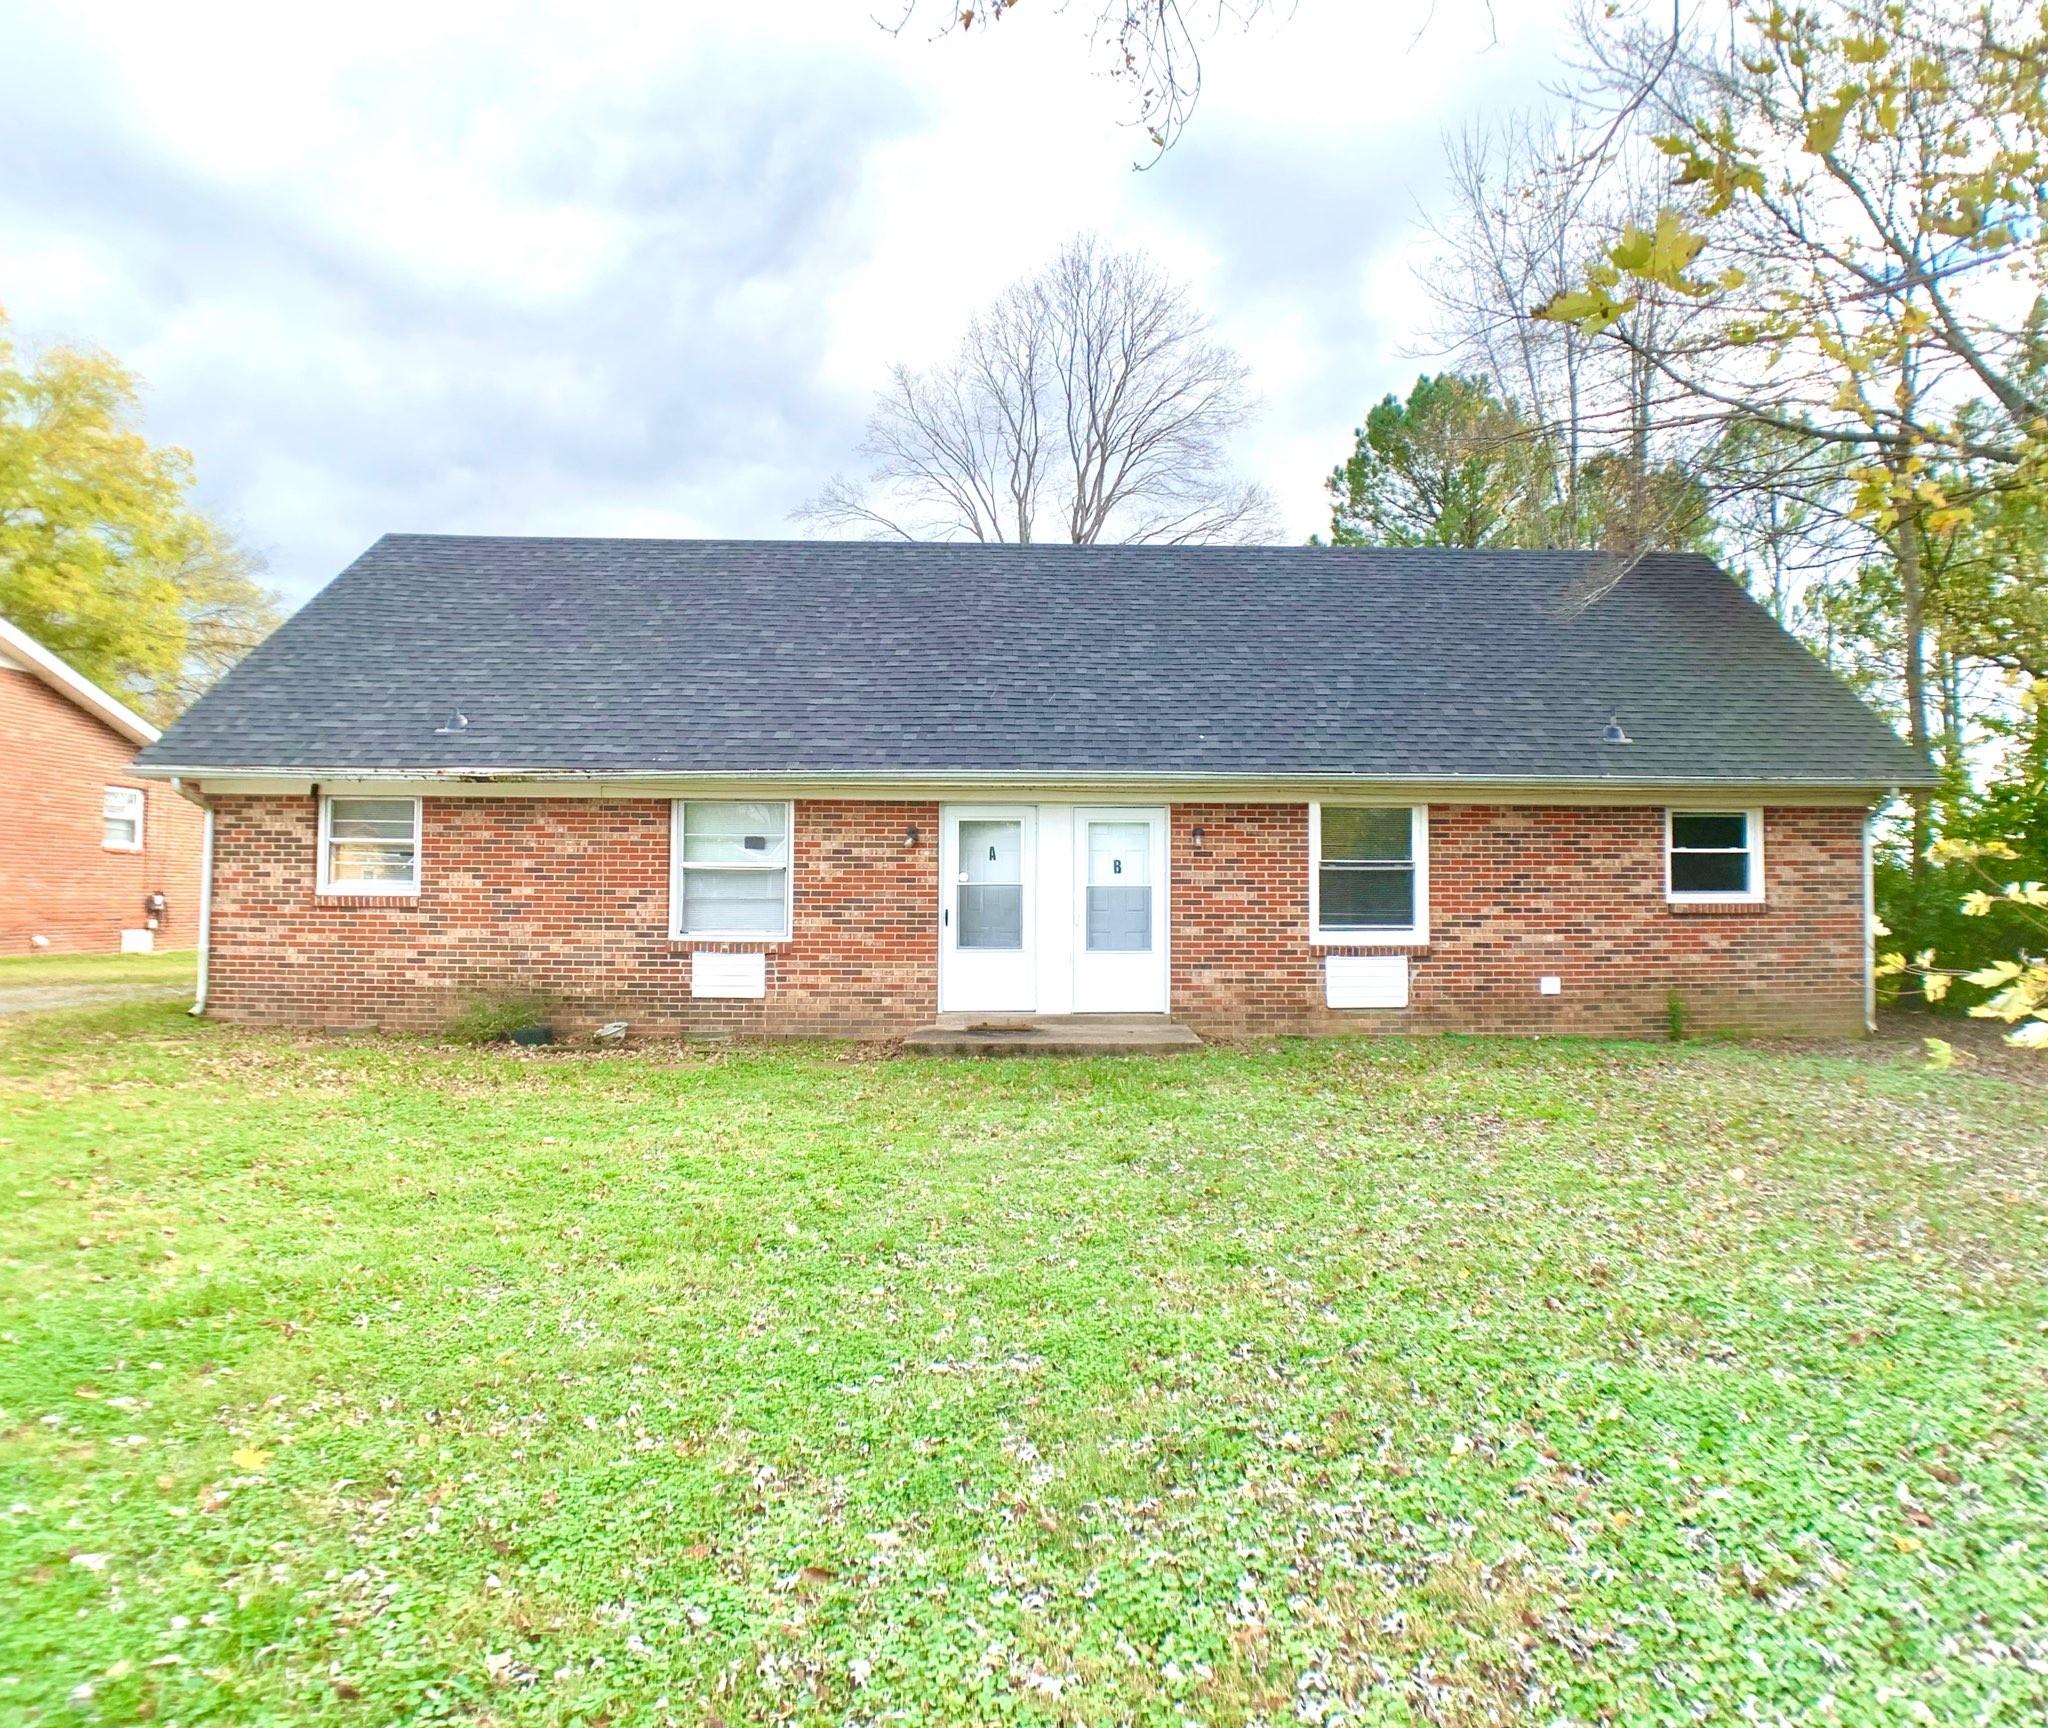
[769,657]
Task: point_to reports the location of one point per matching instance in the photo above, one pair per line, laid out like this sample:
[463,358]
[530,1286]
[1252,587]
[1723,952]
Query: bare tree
[1530,197]
[1854,214]
[1635,461]
[1089,403]
[1152,46]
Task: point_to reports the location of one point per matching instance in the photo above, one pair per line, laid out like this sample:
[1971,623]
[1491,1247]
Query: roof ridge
[1056,548]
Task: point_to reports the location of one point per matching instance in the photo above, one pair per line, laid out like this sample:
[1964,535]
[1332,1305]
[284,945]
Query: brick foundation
[58,879]
[570,895]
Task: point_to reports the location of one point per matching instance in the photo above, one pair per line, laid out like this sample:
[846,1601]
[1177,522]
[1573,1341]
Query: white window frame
[139,803]
[1393,936]
[1753,833]
[325,882]
[676,868]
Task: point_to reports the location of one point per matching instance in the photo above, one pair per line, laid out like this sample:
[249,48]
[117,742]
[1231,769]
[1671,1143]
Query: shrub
[1928,914]
[2016,985]
[494,1015]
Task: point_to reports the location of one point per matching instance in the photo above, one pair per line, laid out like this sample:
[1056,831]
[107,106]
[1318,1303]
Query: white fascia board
[67,681]
[1698,793]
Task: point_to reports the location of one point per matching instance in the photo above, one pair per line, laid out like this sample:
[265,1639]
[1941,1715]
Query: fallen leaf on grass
[250,1458]
[504,1669]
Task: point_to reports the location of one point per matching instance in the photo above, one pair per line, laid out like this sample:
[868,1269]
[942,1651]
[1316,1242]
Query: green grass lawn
[178,966]
[1458,1382]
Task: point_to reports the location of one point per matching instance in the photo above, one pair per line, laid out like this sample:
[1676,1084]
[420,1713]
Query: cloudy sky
[611,268]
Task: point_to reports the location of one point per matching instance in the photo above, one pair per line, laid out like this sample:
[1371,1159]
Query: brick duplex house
[861,789]
[93,857]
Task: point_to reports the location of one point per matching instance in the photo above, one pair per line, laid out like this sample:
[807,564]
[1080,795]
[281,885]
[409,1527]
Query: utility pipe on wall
[205,910]
[1869,926]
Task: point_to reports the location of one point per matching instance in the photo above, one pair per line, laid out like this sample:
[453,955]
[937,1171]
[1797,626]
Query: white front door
[1119,911]
[988,856]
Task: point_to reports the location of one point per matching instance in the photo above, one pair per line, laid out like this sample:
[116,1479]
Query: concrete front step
[1052,1035]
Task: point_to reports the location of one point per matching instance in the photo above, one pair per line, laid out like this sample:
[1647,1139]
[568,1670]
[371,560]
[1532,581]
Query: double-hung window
[121,819]
[1713,856]
[729,879]
[1369,873]
[369,846]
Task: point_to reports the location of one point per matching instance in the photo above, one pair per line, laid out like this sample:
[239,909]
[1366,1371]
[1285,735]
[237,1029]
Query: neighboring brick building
[843,790]
[85,843]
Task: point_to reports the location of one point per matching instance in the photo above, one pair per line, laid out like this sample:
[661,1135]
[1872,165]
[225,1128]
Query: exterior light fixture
[1197,836]
[911,835]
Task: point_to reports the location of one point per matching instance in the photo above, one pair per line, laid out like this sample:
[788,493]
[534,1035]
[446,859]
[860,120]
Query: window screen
[732,868]
[1119,887]
[1711,853]
[373,843]
[1365,877]
[989,897]
[121,818]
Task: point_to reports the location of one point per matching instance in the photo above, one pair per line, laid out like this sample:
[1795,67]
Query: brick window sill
[364,902]
[712,945]
[1716,909]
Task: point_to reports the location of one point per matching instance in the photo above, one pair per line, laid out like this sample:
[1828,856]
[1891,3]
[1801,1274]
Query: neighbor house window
[369,845]
[730,880]
[1714,855]
[1368,873]
[121,819]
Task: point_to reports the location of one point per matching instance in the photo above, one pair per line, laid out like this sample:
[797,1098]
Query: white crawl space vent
[727,975]
[1366,980]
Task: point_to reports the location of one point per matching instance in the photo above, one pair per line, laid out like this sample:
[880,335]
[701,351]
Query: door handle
[946,917]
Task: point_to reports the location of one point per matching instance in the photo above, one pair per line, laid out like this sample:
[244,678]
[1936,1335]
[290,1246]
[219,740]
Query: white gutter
[972,777]
[205,911]
[1869,926]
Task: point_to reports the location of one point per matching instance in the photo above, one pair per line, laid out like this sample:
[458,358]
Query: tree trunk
[1906,540]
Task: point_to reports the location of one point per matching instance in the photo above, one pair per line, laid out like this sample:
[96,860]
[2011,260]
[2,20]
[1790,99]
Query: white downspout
[1869,926]
[205,910]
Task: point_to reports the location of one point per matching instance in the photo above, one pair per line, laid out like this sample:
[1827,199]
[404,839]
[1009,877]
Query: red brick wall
[57,878]
[568,896]
[571,896]
[1517,892]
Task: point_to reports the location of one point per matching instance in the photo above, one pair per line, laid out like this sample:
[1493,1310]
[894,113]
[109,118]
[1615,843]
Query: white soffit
[1697,796]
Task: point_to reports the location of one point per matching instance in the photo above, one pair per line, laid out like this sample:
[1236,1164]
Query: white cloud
[549,268]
